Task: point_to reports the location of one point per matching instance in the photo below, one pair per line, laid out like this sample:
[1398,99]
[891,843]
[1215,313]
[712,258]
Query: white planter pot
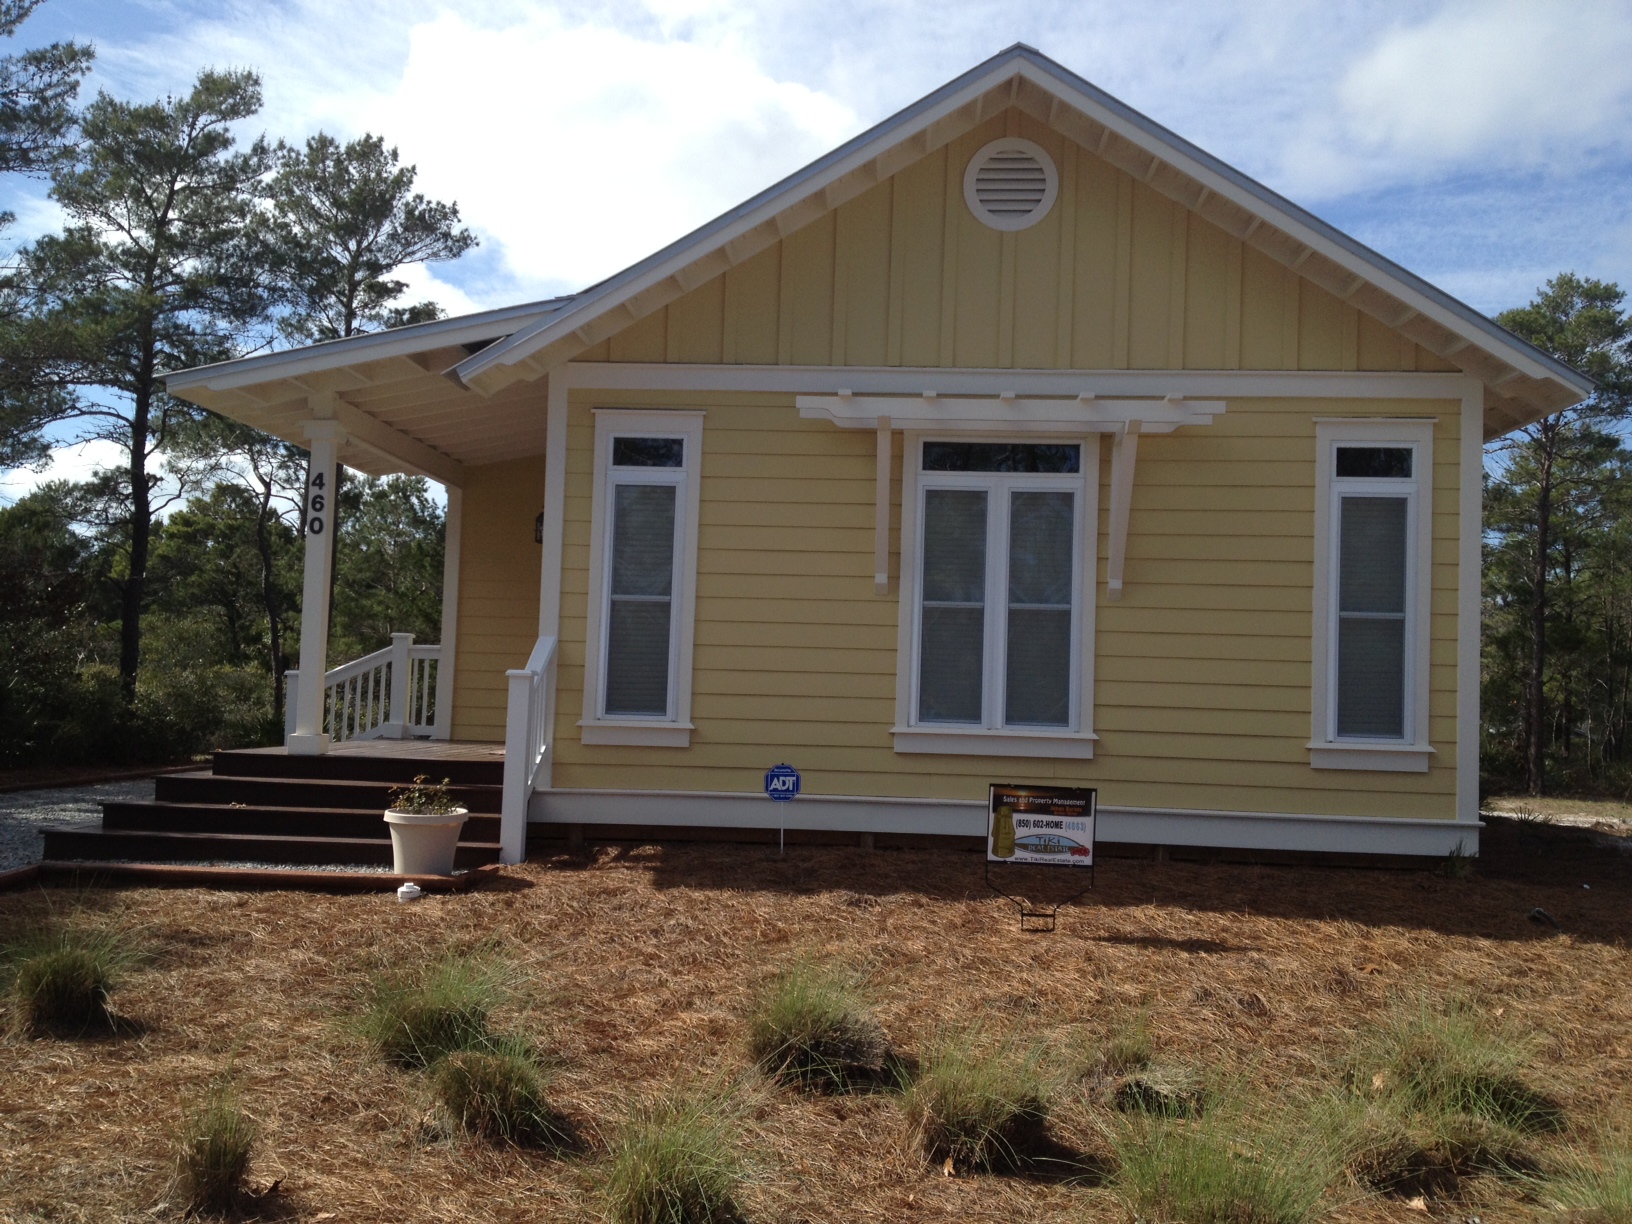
[424,845]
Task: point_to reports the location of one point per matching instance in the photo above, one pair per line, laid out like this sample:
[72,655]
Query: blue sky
[1484,145]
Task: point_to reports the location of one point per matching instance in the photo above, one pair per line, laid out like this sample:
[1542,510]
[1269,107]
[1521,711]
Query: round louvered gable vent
[1011,184]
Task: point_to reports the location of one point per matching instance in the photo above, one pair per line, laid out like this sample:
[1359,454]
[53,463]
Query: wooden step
[290,792]
[96,845]
[396,762]
[168,817]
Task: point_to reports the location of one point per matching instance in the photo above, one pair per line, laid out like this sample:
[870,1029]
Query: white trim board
[915,380]
[967,818]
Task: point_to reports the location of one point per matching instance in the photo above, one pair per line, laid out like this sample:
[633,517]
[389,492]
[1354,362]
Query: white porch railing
[529,743]
[390,694]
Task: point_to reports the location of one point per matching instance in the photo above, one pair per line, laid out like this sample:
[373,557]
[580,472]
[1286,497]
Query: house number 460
[316,502]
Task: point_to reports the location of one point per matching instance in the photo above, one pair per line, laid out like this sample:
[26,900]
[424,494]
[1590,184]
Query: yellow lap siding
[1202,670]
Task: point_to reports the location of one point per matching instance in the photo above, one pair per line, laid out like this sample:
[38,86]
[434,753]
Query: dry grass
[634,966]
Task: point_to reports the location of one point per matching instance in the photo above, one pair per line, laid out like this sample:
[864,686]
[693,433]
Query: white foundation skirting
[967,818]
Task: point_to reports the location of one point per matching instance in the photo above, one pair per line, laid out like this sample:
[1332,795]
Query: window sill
[1386,758]
[638,732]
[955,741]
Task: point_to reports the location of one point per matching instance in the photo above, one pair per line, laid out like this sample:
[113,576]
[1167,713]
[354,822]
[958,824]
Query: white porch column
[309,738]
[453,530]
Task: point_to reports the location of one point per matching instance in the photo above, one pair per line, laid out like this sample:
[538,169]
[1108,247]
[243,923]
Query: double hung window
[995,626]
[643,561]
[1373,564]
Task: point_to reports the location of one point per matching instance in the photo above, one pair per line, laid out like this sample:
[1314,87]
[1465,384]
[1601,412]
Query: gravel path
[23,813]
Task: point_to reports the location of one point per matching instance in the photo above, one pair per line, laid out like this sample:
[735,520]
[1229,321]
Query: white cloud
[584,148]
[1475,85]
[75,462]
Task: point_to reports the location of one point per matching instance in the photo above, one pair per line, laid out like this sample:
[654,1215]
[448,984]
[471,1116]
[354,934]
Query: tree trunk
[269,601]
[1535,747]
[133,595]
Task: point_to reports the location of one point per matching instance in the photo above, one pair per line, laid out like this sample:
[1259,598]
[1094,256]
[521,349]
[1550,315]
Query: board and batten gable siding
[1117,276]
[498,589]
[1202,670]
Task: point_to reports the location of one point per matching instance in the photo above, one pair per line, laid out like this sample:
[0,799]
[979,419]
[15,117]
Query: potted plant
[425,821]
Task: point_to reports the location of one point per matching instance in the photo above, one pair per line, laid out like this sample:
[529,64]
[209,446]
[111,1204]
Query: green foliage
[676,1162]
[37,91]
[388,564]
[1600,1190]
[498,1094]
[414,1019]
[343,219]
[811,1027]
[61,980]
[1436,1095]
[979,1100]
[1129,1047]
[1557,674]
[424,798]
[1223,1169]
[217,1140]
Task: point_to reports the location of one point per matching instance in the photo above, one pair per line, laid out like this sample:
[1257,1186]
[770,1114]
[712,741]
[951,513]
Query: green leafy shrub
[676,1162]
[498,1094]
[811,1028]
[216,1143]
[979,1101]
[61,981]
[415,1019]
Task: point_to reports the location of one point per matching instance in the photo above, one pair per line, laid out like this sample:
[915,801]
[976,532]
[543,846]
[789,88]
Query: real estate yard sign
[1047,825]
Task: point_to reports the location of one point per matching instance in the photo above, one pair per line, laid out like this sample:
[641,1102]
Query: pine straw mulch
[636,966]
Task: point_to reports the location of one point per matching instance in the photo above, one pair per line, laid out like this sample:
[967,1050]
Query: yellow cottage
[1015,440]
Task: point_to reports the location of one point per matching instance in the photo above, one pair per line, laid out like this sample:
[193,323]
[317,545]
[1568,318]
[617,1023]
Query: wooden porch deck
[404,749]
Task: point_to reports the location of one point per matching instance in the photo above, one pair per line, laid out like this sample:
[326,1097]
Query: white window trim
[675,730]
[1075,742]
[1413,753]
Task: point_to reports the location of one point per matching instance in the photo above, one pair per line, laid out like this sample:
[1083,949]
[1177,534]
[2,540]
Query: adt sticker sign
[1048,825]
[782,782]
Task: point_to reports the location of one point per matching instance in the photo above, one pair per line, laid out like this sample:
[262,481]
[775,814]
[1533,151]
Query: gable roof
[1523,381]
[437,371]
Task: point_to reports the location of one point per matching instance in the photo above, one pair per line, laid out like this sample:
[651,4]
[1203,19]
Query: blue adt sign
[782,782]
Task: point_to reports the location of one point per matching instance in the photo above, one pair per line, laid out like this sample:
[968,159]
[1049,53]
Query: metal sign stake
[781,787]
[1040,826]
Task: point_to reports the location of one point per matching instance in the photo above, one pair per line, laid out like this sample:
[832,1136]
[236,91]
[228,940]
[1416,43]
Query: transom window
[998,613]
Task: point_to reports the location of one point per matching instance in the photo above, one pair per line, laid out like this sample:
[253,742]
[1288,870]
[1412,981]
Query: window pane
[1039,668]
[637,648]
[637,657]
[953,631]
[1038,673]
[1375,462]
[1371,562]
[643,539]
[949,674]
[955,546]
[1041,528]
[1371,676]
[648,452]
[1001,457]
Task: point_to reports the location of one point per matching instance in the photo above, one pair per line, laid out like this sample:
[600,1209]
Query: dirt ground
[636,966]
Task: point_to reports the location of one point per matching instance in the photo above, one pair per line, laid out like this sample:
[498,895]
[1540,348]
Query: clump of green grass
[1129,1047]
[677,1162]
[61,981]
[1453,1060]
[217,1140]
[1437,1096]
[812,1028]
[1600,1190]
[415,1019]
[498,1094]
[1220,1169]
[979,1101]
